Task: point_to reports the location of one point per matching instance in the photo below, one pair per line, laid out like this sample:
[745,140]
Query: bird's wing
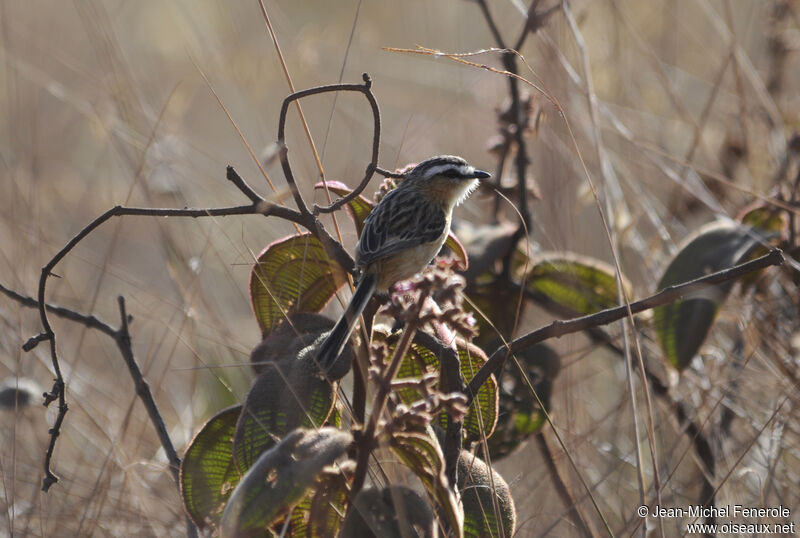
[402,220]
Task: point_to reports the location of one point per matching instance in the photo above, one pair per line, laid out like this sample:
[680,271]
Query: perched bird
[402,234]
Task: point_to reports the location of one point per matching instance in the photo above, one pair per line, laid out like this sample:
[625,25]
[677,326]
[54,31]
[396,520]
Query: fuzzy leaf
[280,478]
[389,512]
[495,308]
[293,274]
[208,474]
[481,487]
[421,453]
[683,325]
[288,394]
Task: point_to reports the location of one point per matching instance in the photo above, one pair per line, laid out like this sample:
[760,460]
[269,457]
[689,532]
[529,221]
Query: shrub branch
[560,328]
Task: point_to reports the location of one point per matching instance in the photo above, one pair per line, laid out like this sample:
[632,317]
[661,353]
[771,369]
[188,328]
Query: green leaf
[481,417]
[208,474]
[520,415]
[293,274]
[421,453]
[482,414]
[280,478]
[683,325]
[575,284]
[289,393]
[765,218]
[322,510]
[480,488]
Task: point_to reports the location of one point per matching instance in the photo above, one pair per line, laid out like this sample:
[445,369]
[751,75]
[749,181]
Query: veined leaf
[280,478]
[208,474]
[765,218]
[289,393]
[577,284]
[481,417]
[683,325]
[293,274]
[482,414]
[520,415]
[320,513]
[422,454]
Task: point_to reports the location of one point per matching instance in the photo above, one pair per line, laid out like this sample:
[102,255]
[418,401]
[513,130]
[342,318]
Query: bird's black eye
[451,173]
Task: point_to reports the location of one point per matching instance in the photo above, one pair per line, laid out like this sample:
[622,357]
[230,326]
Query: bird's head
[446,178]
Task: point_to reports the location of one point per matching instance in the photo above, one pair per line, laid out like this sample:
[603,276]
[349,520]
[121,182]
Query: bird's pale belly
[406,264]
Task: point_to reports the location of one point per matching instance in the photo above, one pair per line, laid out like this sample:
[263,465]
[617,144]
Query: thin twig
[122,338]
[87,320]
[365,89]
[259,206]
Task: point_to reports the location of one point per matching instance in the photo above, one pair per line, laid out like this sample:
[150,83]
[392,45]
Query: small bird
[402,234]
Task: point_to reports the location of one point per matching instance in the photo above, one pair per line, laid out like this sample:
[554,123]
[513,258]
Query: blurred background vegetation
[104,103]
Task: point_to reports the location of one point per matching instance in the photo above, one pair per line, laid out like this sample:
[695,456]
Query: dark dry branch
[689,426]
[518,116]
[535,19]
[259,206]
[366,90]
[386,173]
[91,322]
[122,338]
[560,328]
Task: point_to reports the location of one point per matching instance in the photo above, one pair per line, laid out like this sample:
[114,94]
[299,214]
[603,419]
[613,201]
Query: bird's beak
[480,174]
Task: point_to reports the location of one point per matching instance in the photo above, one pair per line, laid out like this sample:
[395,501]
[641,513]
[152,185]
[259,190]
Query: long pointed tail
[332,347]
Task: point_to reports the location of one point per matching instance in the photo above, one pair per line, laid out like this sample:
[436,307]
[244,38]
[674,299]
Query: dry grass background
[103,105]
